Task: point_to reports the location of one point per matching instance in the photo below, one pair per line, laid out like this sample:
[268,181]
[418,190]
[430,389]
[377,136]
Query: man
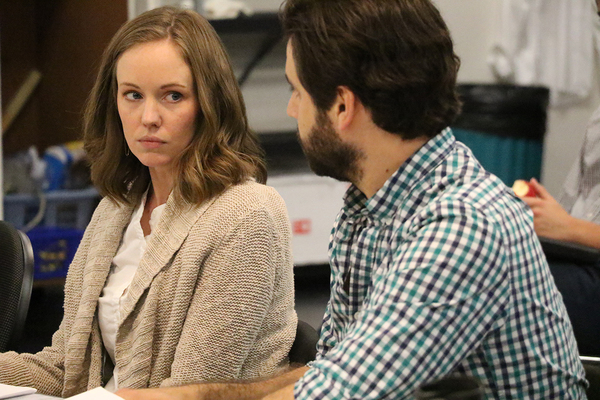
[435,266]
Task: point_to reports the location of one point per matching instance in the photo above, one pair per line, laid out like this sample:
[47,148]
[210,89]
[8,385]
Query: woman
[184,273]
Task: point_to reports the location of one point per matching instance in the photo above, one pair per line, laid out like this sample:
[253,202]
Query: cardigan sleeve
[45,370]
[237,326]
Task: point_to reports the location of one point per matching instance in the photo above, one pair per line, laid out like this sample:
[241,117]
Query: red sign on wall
[301,226]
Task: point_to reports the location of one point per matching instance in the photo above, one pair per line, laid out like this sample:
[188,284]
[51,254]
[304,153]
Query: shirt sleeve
[326,340]
[441,291]
[570,189]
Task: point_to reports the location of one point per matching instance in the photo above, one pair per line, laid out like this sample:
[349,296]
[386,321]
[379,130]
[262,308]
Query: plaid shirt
[440,272]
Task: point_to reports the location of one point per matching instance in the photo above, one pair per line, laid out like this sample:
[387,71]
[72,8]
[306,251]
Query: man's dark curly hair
[396,56]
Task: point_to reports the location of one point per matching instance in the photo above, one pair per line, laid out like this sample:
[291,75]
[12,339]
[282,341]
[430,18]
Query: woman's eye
[133,96]
[174,96]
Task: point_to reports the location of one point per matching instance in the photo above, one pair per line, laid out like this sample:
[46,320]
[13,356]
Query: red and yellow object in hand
[523,188]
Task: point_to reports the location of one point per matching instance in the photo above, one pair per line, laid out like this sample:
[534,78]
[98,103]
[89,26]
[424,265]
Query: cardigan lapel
[104,243]
[174,225]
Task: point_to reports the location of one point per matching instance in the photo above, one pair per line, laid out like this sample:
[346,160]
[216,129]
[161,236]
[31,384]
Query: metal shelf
[258,22]
[267,23]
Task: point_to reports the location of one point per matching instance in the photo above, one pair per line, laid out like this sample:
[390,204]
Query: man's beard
[327,155]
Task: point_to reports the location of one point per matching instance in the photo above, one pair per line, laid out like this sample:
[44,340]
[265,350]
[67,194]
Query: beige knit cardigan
[212,299]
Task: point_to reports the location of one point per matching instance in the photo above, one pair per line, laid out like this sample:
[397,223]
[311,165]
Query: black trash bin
[504,125]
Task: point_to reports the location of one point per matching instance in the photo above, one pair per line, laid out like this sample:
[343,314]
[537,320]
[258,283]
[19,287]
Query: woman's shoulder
[107,205]
[251,194]
[108,208]
[249,197]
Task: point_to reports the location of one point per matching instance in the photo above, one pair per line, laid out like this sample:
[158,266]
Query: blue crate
[53,250]
[64,208]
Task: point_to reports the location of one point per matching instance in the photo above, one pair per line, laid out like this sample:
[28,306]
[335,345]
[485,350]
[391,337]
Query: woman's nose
[151,114]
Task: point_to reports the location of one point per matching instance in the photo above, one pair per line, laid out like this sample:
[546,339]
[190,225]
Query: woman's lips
[151,142]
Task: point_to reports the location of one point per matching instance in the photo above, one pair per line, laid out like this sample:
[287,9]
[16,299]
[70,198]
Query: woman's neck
[162,185]
[153,200]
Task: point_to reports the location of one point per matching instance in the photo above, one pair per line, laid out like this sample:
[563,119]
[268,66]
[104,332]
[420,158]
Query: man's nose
[292,107]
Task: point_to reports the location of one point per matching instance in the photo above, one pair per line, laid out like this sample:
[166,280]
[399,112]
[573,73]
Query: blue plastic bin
[506,157]
[504,125]
[64,208]
[53,250]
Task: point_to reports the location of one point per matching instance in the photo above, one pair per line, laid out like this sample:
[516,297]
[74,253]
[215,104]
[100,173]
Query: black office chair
[456,387]
[16,280]
[304,348]
[572,265]
[591,365]
[566,251]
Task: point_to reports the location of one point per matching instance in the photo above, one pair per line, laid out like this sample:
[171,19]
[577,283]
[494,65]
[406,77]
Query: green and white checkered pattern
[438,273]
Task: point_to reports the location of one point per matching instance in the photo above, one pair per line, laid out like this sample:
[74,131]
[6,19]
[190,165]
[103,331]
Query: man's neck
[384,154]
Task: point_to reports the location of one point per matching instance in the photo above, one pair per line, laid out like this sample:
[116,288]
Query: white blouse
[124,266]
[581,190]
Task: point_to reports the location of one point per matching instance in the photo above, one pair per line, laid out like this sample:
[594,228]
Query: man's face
[324,149]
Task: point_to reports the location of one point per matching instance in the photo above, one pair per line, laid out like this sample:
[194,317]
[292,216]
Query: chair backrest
[458,387]
[592,374]
[16,280]
[304,348]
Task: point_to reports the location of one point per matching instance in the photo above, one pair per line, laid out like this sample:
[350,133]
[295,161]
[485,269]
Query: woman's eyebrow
[166,85]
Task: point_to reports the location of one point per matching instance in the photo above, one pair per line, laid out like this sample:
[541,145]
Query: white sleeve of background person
[547,43]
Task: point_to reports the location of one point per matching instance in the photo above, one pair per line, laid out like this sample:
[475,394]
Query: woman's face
[156,102]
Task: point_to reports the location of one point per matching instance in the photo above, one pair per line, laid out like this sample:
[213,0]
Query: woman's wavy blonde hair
[223,151]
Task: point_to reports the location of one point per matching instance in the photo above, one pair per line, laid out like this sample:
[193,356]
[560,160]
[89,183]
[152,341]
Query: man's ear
[343,111]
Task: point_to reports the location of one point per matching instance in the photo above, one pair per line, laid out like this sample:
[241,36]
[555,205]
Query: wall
[472,23]
[63,39]
[18,58]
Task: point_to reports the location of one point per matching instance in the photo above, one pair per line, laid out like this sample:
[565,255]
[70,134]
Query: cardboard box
[313,203]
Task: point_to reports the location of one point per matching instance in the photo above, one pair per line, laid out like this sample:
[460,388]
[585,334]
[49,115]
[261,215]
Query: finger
[539,189]
[532,201]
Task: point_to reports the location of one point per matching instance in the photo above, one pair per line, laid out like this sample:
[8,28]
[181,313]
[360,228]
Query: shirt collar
[412,171]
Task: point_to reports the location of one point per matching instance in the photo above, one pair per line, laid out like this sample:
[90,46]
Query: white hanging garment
[548,43]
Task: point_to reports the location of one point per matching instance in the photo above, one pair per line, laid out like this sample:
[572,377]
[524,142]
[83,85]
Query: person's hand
[174,393]
[550,219]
